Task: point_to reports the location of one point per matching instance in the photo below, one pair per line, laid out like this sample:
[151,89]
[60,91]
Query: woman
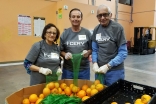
[44,57]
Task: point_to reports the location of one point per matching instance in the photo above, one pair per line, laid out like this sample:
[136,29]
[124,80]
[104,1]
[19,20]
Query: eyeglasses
[49,33]
[104,15]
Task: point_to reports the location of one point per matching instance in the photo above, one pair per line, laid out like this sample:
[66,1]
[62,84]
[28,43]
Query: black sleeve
[121,38]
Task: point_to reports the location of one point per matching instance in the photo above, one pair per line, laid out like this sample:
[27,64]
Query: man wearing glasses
[109,48]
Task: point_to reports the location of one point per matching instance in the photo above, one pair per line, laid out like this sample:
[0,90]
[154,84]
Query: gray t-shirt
[43,55]
[75,42]
[109,39]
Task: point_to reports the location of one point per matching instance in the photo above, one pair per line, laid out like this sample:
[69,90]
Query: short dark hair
[77,10]
[48,26]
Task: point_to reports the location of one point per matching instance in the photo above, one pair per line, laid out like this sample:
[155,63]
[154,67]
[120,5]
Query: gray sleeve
[61,42]
[121,38]
[93,37]
[89,41]
[33,53]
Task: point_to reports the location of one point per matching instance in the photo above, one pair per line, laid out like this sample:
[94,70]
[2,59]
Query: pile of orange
[144,99]
[33,99]
[83,92]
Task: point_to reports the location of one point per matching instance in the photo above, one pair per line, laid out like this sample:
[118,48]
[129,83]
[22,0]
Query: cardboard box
[17,97]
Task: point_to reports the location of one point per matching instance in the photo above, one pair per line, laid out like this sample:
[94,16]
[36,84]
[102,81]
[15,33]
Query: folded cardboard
[17,97]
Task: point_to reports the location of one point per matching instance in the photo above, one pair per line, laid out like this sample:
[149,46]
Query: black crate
[121,92]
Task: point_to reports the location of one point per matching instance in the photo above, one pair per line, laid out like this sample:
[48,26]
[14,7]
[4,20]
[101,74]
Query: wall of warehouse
[82,1]
[12,46]
[15,47]
[89,20]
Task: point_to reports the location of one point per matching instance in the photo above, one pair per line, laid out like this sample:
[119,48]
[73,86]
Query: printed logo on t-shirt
[51,56]
[98,36]
[103,39]
[69,43]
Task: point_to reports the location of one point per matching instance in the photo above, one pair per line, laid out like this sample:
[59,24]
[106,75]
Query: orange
[72,95]
[62,92]
[99,87]
[96,82]
[51,85]
[56,85]
[145,98]
[92,86]
[38,101]
[71,86]
[74,89]
[81,94]
[59,90]
[41,96]
[85,98]
[67,91]
[63,86]
[46,86]
[114,103]
[78,89]
[138,101]
[54,91]
[25,101]
[33,98]
[93,92]
[88,91]
[84,87]
[46,91]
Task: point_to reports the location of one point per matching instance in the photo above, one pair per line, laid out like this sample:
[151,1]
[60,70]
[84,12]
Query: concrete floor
[139,68]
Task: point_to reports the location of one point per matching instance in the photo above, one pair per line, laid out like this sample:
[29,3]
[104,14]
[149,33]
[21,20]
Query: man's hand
[68,56]
[103,69]
[84,53]
[45,71]
[59,71]
[95,67]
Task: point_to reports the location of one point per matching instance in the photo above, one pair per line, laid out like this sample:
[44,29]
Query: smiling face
[50,35]
[104,16]
[75,18]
